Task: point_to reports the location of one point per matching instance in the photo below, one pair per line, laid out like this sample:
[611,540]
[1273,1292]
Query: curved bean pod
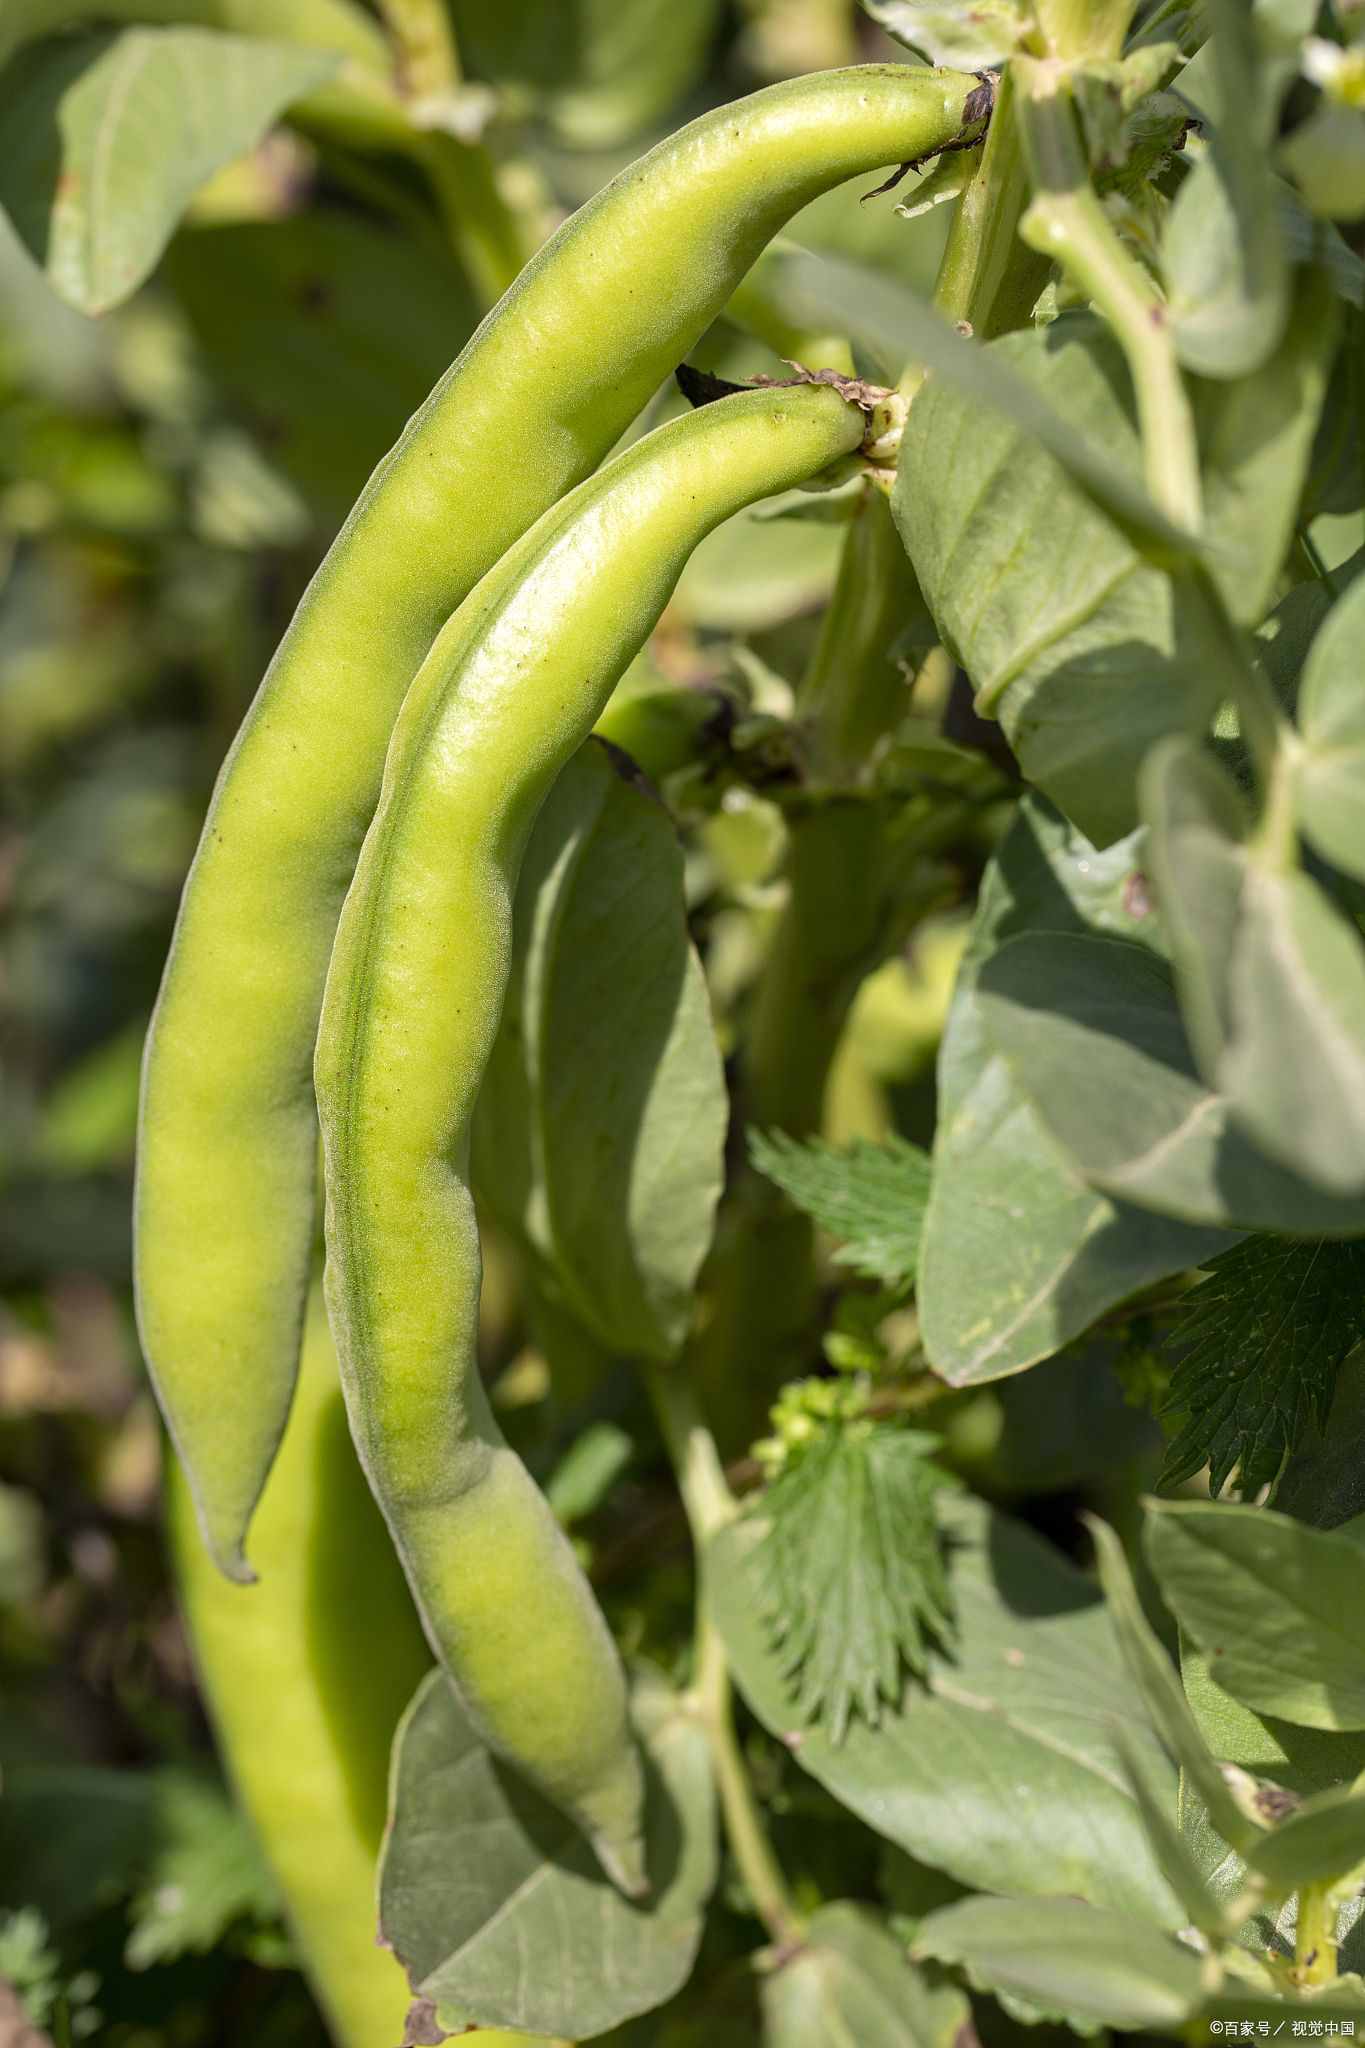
[414,992]
[228,1132]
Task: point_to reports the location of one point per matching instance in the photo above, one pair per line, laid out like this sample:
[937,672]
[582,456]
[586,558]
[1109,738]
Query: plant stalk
[709,1505]
[988,279]
[429,64]
[1315,1939]
[1067,222]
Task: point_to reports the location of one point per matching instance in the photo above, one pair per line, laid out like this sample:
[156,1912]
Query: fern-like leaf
[1259,1345]
[850,1576]
[871,1197]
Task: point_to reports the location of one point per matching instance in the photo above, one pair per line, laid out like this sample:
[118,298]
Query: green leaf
[109,137]
[1019,1254]
[1325,156]
[1330,767]
[1000,1767]
[849,1573]
[1160,1686]
[599,71]
[1274,1605]
[1302,1760]
[601,1124]
[1067,1956]
[871,1197]
[850,1981]
[1198,823]
[1294,1065]
[1260,1343]
[1325,1480]
[1319,1844]
[1092,1033]
[1083,651]
[326,330]
[1222,252]
[524,1931]
[206,1873]
[971,34]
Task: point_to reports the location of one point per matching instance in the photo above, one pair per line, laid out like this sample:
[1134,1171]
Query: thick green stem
[1092,29]
[989,280]
[709,1505]
[1068,223]
[421,29]
[1315,1940]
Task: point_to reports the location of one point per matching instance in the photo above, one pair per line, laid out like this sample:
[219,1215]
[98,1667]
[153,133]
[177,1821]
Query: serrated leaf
[1000,1767]
[850,1981]
[871,1197]
[972,34]
[600,1129]
[494,1903]
[110,135]
[849,1574]
[1260,1343]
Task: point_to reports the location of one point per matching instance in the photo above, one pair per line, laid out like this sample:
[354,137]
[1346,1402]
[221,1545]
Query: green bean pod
[415,989]
[227,1143]
[306,1676]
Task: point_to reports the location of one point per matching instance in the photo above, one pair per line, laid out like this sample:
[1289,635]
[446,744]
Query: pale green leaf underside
[109,136]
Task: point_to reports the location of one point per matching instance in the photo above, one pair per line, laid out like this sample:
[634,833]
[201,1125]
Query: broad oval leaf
[849,1980]
[1223,249]
[1274,1605]
[1330,768]
[600,1130]
[1018,1253]
[1085,652]
[1001,1768]
[1068,1957]
[1091,1029]
[110,135]
[493,1902]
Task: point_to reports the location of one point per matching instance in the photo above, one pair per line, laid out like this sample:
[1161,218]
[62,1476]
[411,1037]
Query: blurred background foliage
[169,475]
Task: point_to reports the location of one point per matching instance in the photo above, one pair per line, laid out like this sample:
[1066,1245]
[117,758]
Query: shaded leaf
[871,1197]
[110,136]
[1084,652]
[493,1901]
[1274,1605]
[1019,1253]
[1000,1767]
[1319,1844]
[1160,1687]
[850,1981]
[600,1127]
[1091,1028]
[1330,769]
[1260,1343]
[1067,1957]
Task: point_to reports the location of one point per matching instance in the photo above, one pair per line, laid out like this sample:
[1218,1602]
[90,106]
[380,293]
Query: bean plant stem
[425,40]
[1315,1942]
[484,231]
[988,280]
[1068,222]
[709,1505]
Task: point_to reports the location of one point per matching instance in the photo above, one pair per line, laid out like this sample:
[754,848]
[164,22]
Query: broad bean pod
[306,1676]
[414,992]
[226,1156]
